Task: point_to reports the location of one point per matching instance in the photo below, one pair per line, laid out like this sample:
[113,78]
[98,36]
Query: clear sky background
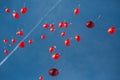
[95,57]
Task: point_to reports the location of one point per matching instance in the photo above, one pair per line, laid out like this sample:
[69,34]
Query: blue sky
[95,57]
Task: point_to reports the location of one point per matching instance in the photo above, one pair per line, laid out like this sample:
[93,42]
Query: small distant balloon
[52,29]
[76,11]
[30,41]
[16,15]
[22,44]
[45,26]
[23,10]
[6,51]
[7,10]
[63,33]
[51,49]
[67,42]
[51,25]
[90,24]
[13,40]
[20,33]
[43,36]
[53,72]
[56,56]
[41,78]
[5,40]
[111,30]
[77,38]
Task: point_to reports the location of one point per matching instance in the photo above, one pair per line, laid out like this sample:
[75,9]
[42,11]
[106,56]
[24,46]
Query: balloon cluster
[51,27]
[15,14]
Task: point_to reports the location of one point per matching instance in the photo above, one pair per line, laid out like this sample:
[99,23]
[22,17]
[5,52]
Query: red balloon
[90,24]
[22,44]
[67,42]
[43,36]
[52,29]
[45,26]
[56,56]
[16,15]
[41,78]
[7,10]
[61,24]
[53,72]
[51,25]
[111,30]
[63,33]
[5,40]
[51,49]
[20,33]
[30,41]
[23,10]
[76,11]
[66,24]
[13,41]
[6,51]
[77,38]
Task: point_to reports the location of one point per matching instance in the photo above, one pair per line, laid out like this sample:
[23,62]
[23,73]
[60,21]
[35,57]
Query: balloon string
[24,4]
[79,5]
[99,16]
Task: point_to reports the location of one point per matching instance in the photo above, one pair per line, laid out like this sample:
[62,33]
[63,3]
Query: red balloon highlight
[43,36]
[63,33]
[76,11]
[67,42]
[90,24]
[20,33]
[6,51]
[51,49]
[111,30]
[30,41]
[45,26]
[23,10]
[7,10]
[16,15]
[77,38]
[13,40]
[53,72]
[22,44]
[56,56]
